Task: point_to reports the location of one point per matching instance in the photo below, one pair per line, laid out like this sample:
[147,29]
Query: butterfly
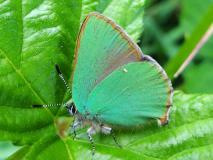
[114,84]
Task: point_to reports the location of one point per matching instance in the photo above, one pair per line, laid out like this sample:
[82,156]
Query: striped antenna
[58,104]
[62,78]
[47,105]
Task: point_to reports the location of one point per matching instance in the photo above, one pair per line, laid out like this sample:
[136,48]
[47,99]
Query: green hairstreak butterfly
[114,83]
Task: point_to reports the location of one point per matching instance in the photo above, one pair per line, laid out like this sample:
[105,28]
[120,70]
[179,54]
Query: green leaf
[160,35]
[190,17]
[127,13]
[188,135]
[198,78]
[35,35]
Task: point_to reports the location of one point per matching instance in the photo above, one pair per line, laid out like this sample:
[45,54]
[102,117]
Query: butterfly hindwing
[102,46]
[131,95]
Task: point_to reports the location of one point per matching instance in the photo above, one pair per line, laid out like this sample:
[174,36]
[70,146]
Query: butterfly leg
[108,130]
[91,131]
[75,125]
[115,140]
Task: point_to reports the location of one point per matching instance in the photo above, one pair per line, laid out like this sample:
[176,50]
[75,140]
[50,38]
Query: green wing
[102,47]
[131,95]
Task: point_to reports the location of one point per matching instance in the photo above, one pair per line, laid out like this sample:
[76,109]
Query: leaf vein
[18,72]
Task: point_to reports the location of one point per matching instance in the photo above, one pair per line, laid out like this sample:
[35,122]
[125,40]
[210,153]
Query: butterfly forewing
[101,48]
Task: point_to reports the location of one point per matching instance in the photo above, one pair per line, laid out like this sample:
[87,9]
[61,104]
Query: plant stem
[202,41]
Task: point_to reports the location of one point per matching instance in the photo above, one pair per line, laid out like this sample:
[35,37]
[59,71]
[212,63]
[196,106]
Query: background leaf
[127,13]
[188,135]
[161,29]
[35,36]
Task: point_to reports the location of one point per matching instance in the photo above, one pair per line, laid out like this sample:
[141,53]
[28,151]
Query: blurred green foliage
[168,25]
[199,75]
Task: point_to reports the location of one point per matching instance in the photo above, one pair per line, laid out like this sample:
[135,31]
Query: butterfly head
[71,107]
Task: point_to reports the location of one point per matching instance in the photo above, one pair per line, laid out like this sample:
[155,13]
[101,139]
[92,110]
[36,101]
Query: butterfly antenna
[46,105]
[62,78]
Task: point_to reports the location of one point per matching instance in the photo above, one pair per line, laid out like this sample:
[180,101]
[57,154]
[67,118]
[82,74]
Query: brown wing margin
[165,118]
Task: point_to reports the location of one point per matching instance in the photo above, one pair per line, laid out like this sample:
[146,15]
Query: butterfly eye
[71,108]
